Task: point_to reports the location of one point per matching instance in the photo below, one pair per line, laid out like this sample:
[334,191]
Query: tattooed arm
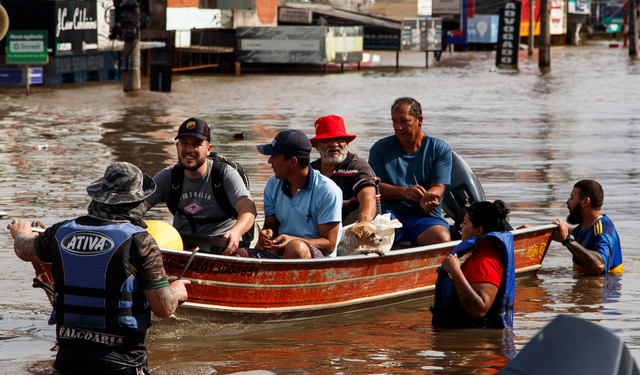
[145,256]
[164,301]
[24,240]
[584,257]
[476,298]
[587,258]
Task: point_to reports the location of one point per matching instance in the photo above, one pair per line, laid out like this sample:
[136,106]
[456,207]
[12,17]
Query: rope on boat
[38,283]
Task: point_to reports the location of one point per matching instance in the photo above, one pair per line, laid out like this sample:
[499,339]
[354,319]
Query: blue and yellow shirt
[601,237]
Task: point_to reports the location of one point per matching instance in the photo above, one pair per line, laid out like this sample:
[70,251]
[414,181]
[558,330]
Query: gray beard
[324,155]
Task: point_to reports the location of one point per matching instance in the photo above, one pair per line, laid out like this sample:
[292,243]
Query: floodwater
[528,136]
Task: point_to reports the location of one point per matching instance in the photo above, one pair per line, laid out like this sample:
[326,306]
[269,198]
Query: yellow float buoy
[165,234]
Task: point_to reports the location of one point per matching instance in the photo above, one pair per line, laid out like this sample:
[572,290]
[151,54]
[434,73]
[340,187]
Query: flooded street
[528,137]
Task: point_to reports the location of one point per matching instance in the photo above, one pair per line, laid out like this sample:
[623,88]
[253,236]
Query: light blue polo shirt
[319,201]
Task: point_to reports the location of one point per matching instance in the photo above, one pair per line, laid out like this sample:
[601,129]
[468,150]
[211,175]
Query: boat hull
[240,290]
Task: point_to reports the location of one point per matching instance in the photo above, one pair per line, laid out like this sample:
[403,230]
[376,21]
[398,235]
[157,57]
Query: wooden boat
[228,295]
[227,292]
[241,290]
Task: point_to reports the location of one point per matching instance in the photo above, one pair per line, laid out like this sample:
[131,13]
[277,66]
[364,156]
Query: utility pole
[131,75]
[131,52]
[633,28]
[126,27]
[531,7]
[544,49]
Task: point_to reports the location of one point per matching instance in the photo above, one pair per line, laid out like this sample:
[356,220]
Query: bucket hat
[122,183]
[288,142]
[331,126]
[195,128]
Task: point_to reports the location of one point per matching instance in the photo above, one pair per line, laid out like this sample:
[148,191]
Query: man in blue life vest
[594,241]
[414,170]
[108,277]
[205,196]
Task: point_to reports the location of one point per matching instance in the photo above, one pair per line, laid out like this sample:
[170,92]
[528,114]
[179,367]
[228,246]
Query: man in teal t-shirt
[414,170]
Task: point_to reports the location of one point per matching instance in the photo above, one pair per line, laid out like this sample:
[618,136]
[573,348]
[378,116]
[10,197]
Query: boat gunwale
[393,253]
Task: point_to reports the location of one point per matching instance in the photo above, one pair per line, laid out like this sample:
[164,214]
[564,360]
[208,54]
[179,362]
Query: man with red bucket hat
[354,176]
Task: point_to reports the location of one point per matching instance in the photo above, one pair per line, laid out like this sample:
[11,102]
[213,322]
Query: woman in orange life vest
[480,292]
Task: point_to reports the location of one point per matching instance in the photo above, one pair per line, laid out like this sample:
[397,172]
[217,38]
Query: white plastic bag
[386,230]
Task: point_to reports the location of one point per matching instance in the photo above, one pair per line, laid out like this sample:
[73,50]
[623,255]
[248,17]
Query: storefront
[72,33]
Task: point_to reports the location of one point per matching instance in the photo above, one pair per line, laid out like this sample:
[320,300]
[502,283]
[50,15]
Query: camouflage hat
[122,183]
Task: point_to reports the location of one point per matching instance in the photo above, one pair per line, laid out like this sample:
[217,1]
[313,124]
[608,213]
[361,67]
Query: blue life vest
[94,285]
[447,310]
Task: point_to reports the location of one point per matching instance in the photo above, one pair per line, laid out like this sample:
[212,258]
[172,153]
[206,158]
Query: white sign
[183,38]
[35,46]
[79,21]
[193,18]
[425,7]
[441,7]
[279,45]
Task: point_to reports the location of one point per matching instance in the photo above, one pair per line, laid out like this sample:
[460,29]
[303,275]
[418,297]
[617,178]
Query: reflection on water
[528,136]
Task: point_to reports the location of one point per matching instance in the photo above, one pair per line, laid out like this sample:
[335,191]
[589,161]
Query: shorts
[101,362]
[413,226]
[265,254]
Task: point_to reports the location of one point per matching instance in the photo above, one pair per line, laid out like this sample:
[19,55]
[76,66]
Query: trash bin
[160,78]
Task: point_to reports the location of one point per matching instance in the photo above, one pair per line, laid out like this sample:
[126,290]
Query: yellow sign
[536,251]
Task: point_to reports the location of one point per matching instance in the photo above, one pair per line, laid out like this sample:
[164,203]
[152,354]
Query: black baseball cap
[195,128]
[288,142]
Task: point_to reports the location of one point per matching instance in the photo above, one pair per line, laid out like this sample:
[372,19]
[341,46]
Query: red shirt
[484,264]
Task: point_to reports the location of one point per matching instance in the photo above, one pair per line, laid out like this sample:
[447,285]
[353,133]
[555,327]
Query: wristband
[568,239]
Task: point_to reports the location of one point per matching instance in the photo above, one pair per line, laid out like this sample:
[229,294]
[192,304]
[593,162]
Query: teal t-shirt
[394,166]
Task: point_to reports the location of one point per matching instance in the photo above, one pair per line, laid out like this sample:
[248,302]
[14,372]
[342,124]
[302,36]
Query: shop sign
[509,35]
[421,34]
[76,28]
[27,47]
[295,15]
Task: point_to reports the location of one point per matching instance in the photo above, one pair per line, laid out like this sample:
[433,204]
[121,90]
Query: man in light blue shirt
[414,170]
[302,208]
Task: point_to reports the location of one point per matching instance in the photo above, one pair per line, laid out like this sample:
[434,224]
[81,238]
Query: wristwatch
[568,239]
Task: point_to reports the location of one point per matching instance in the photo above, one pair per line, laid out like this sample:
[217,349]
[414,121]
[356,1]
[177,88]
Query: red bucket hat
[330,127]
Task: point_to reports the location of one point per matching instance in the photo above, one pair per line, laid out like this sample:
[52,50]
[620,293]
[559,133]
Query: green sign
[27,47]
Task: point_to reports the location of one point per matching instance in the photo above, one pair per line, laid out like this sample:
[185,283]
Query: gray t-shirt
[197,199]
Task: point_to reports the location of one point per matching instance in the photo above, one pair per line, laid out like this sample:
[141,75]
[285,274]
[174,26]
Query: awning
[341,17]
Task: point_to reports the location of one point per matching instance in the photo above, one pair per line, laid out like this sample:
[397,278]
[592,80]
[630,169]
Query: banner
[193,18]
[558,24]
[580,6]
[509,35]
[299,44]
[343,44]
[483,28]
[76,28]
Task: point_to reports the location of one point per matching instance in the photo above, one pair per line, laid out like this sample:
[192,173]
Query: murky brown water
[527,136]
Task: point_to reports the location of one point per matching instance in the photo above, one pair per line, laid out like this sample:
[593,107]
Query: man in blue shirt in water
[414,170]
[594,241]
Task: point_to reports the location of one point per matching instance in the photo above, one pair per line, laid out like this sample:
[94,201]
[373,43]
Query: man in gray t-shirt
[197,199]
